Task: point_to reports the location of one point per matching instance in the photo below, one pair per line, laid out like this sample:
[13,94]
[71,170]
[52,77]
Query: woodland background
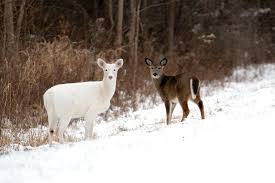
[47,42]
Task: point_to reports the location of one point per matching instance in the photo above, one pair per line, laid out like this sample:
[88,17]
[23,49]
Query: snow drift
[234,144]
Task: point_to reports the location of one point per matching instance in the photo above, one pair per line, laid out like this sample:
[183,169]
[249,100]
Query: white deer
[64,102]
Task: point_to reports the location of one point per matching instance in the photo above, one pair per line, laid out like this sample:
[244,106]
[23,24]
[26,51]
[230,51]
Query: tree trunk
[119,23]
[146,20]
[19,22]
[137,33]
[110,13]
[9,29]
[135,47]
[132,28]
[171,25]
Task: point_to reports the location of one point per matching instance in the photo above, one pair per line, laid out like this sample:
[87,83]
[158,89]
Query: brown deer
[174,89]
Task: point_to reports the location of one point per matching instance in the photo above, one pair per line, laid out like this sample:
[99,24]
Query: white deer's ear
[119,63]
[101,63]
[148,62]
[163,62]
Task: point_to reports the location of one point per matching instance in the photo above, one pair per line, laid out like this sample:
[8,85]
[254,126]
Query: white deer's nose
[110,77]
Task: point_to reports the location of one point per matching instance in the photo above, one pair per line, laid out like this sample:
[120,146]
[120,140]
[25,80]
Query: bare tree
[119,22]
[132,27]
[9,29]
[19,21]
[110,13]
[137,33]
[146,19]
[134,35]
[171,25]
[136,41]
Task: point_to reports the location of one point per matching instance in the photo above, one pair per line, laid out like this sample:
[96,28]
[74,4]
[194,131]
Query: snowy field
[235,143]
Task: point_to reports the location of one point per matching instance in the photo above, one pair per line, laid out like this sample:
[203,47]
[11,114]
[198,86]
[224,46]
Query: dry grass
[14,138]
[40,67]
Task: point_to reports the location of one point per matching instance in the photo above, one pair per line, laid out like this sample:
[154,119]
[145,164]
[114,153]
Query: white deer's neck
[109,87]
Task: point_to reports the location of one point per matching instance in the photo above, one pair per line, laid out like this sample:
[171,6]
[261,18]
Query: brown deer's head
[156,70]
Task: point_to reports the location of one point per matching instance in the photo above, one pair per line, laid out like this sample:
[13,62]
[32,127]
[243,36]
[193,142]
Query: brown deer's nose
[154,74]
[110,77]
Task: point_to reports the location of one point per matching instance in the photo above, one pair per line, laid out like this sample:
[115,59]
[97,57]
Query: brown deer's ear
[163,62]
[148,62]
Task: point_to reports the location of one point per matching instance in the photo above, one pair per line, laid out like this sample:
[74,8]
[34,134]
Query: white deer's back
[75,98]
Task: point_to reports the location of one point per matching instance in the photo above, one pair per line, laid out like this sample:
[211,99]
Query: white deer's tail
[194,87]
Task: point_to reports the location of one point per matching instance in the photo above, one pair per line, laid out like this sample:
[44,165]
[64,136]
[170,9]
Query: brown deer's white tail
[194,87]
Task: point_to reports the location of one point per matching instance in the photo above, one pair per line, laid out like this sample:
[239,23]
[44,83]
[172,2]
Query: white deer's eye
[106,69]
[114,70]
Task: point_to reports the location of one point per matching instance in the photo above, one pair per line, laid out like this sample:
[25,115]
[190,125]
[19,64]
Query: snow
[253,12]
[235,143]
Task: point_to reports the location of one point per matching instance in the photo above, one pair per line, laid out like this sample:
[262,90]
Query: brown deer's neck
[166,86]
[159,82]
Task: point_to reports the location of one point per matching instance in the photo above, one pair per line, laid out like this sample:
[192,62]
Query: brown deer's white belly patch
[175,100]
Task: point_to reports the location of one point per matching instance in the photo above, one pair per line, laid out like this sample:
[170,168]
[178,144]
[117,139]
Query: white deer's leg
[50,137]
[63,123]
[52,126]
[89,118]
[51,133]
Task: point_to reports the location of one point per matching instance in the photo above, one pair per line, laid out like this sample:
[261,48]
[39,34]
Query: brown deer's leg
[173,105]
[171,109]
[199,102]
[185,109]
[168,108]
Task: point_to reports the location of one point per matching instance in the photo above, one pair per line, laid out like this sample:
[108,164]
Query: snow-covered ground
[235,143]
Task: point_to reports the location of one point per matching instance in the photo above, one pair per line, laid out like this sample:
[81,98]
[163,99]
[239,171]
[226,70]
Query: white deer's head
[110,70]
